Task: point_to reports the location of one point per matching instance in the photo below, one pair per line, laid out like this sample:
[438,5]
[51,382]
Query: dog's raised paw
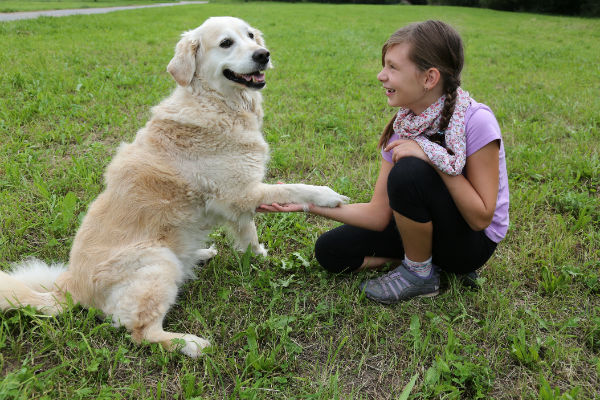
[329,198]
[343,199]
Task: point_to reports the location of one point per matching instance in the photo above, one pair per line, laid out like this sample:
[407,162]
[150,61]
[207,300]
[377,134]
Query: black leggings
[416,191]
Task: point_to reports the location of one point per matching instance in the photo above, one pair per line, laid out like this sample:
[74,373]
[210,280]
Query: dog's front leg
[203,255]
[244,231]
[298,193]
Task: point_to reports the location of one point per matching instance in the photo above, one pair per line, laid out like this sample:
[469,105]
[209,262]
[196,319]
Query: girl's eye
[251,35]
[225,43]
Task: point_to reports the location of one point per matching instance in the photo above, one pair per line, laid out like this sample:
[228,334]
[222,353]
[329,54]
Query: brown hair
[433,44]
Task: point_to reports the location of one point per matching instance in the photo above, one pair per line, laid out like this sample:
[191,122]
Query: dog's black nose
[261,56]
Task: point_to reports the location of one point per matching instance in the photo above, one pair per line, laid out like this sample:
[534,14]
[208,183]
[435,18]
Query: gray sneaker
[470,280]
[401,284]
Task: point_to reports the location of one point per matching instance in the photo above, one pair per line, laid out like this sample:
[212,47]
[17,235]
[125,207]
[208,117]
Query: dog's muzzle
[255,79]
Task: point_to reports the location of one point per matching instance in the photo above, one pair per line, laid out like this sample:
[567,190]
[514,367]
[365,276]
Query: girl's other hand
[276,207]
[406,148]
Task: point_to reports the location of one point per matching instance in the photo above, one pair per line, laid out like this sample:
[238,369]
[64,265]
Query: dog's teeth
[258,77]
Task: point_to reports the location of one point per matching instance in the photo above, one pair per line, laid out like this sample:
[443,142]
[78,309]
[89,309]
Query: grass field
[7,6]
[71,89]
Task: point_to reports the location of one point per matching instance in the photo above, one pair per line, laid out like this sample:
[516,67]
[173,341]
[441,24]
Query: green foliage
[455,376]
[564,7]
[593,331]
[548,393]
[523,352]
[19,384]
[345,1]
[551,283]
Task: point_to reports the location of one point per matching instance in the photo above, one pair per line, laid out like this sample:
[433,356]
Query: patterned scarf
[446,150]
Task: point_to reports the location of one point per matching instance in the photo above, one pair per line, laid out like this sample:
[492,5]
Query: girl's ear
[183,64]
[432,77]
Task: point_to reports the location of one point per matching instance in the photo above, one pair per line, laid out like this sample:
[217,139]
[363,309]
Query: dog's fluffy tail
[31,283]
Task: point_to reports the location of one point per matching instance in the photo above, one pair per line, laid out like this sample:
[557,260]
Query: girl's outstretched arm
[374,215]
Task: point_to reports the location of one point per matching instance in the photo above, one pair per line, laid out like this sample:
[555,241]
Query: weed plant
[72,89]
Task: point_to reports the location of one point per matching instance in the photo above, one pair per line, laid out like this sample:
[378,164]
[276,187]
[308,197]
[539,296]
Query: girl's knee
[323,253]
[320,247]
[329,256]
[406,175]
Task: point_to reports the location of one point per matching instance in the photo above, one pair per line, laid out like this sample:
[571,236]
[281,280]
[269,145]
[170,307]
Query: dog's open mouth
[255,80]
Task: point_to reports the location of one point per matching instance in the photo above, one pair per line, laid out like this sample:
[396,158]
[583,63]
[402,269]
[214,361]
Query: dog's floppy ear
[183,64]
[258,36]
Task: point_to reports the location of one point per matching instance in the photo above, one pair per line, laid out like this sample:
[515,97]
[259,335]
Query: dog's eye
[226,43]
[251,35]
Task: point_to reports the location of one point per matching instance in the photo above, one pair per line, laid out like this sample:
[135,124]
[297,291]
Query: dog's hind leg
[143,297]
[190,345]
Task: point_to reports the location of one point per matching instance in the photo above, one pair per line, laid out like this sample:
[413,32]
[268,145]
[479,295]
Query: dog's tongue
[256,77]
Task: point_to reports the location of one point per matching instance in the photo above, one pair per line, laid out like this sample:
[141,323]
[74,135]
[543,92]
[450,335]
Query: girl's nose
[381,76]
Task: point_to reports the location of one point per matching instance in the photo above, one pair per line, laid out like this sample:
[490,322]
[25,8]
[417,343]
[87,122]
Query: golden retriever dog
[198,162]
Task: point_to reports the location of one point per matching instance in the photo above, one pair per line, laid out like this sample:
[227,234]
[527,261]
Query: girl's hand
[276,207]
[406,148]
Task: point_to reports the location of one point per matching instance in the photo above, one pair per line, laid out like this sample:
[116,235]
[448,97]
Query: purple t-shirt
[482,128]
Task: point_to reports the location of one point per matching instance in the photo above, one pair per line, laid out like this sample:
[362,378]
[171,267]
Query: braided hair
[433,44]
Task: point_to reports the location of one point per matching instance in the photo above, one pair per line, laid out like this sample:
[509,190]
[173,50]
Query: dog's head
[224,53]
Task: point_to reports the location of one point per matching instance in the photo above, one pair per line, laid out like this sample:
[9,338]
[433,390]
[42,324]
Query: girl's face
[403,82]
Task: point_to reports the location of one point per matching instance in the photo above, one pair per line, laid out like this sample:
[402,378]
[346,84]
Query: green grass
[73,88]
[8,6]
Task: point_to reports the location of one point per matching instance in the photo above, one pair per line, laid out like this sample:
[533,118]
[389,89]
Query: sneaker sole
[432,294]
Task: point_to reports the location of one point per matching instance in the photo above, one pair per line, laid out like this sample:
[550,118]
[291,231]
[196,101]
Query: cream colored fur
[199,162]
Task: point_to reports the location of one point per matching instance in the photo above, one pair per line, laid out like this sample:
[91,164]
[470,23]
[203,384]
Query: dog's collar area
[255,80]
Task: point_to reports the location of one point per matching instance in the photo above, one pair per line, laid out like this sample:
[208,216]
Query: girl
[441,198]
